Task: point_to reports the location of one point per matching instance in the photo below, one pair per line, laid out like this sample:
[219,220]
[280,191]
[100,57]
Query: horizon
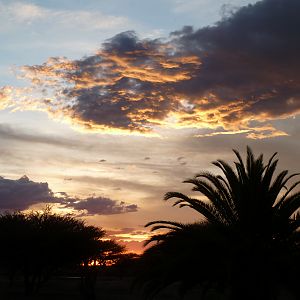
[105,108]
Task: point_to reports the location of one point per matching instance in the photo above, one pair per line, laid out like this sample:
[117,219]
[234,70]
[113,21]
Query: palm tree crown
[248,197]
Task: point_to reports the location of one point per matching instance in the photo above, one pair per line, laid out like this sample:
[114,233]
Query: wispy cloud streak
[27,13]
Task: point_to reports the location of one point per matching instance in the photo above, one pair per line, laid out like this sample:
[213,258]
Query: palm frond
[205,209]
[250,160]
[176,224]
[290,205]
[269,172]
[278,185]
[289,190]
[242,170]
[217,193]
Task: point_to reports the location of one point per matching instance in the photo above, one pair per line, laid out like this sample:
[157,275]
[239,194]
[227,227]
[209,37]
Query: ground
[67,288]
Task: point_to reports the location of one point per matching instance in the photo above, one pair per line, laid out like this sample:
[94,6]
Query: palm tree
[249,198]
[253,210]
[188,254]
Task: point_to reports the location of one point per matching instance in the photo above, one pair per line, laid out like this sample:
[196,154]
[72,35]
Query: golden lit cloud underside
[136,91]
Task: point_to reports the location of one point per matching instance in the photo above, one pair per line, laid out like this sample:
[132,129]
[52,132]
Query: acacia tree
[104,253]
[37,244]
[254,210]
[110,252]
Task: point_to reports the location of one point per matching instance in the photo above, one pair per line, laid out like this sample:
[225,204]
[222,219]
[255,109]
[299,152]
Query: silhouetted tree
[247,198]
[126,264]
[188,254]
[257,216]
[110,252]
[37,244]
[105,253]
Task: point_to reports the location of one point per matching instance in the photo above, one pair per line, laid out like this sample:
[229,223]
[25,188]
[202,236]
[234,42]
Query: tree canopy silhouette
[37,244]
[249,198]
[247,241]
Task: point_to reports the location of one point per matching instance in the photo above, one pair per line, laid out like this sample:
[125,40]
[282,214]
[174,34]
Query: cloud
[22,193]
[211,6]
[101,206]
[119,89]
[132,238]
[8,132]
[233,77]
[133,246]
[124,230]
[181,159]
[128,232]
[134,185]
[27,13]
[68,179]
[22,12]
[5,97]
[261,132]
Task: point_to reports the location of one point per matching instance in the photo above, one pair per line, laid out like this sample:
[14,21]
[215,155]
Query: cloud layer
[22,193]
[235,76]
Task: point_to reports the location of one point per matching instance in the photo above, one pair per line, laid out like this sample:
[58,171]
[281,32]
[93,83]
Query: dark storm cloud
[22,193]
[244,68]
[253,56]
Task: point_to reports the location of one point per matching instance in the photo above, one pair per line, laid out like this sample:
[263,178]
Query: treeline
[38,245]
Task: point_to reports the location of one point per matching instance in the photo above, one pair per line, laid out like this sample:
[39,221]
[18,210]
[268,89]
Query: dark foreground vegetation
[246,248]
[44,247]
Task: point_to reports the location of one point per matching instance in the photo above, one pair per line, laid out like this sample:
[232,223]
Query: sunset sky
[107,105]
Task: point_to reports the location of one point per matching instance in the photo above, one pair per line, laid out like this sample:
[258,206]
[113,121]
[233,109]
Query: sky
[107,105]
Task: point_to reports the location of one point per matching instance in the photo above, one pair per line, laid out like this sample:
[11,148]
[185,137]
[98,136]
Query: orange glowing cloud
[221,78]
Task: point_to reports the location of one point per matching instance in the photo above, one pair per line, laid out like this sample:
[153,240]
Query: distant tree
[253,211]
[110,252]
[37,244]
[126,264]
[105,254]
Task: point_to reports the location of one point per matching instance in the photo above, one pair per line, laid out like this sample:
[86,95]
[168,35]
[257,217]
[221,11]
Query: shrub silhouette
[248,244]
